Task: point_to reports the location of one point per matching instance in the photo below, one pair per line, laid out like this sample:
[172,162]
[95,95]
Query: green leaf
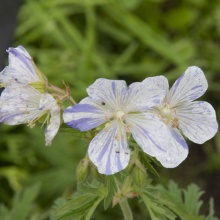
[81,205]
[191,199]
[185,203]
[144,32]
[156,207]
[22,203]
[211,211]
[146,160]
[112,188]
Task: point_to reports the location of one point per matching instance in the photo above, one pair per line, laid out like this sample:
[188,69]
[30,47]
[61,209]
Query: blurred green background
[78,41]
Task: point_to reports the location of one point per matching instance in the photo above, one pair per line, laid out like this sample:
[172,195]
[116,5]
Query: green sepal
[39,86]
[98,176]
[139,177]
[82,171]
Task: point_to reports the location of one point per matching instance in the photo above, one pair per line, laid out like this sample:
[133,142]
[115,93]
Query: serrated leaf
[191,199]
[183,202]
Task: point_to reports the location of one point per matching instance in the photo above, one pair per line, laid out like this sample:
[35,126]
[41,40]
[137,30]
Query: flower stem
[126,209]
[65,94]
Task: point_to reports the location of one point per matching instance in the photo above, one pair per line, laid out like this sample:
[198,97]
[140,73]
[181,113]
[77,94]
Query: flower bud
[139,177]
[98,176]
[82,171]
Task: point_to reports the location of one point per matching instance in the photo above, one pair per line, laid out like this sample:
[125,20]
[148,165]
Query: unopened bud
[139,177]
[82,171]
[100,177]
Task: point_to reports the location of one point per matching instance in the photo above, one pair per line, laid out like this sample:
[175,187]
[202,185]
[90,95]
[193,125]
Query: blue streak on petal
[196,87]
[108,170]
[146,134]
[104,149]
[84,124]
[116,158]
[82,108]
[176,84]
[109,147]
[22,58]
[113,88]
[41,108]
[5,119]
[179,139]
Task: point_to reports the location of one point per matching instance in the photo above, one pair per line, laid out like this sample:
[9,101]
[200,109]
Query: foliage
[78,41]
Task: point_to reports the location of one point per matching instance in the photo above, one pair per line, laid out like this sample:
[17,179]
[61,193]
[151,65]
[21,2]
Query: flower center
[165,111]
[119,114]
[168,115]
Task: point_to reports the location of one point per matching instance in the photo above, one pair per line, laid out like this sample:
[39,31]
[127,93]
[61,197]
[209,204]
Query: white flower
[194,119]
[121,109]
[24,99]
[21,69]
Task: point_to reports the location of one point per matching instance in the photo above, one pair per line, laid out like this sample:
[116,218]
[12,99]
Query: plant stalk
[126,210]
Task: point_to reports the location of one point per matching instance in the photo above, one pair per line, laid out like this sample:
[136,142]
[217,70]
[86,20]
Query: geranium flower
[183,116]
[120,109]
[24,99]
[22,70]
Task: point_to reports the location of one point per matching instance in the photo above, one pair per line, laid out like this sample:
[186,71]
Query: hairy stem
[126,209]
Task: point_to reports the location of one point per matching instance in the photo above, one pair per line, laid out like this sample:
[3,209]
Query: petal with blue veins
[157,82]
[176,150]
[20,104]
[55,121]
[197,121]
[84,117]
[21,68]
[142,96]
[111,93]
[109,149]
[190,86]
[149,132]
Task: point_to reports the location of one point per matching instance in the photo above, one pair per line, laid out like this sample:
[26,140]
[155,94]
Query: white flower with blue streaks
[24,99]
[121,110]
[183,116]
[22,70]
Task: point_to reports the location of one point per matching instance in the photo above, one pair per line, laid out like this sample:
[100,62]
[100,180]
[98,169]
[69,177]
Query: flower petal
[111,93]
[21,68]
[160,82]
[177,150]
[143,96]
[109,149]
[54,123]
[84,117]
[190,86]
[197,121]
[20,104]
[149,132]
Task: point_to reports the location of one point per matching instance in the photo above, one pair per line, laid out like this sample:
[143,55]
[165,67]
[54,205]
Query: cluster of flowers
[157,118]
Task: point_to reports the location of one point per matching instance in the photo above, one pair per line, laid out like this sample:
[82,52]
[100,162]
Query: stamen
[175,123]
[107,124]
[119,115]
[165,110]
